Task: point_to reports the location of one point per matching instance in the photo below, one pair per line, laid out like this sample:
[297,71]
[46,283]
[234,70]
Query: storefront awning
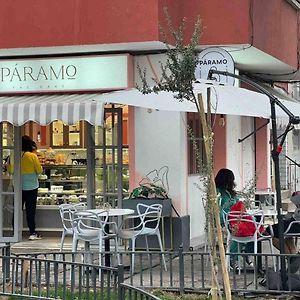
[71,108]
[224,100]
[43,109]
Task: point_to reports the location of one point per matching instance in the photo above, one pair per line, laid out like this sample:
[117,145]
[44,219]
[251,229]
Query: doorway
[105,171]
[109,159]
[10,184]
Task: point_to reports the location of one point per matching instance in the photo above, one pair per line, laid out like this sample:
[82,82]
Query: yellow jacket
[30,168]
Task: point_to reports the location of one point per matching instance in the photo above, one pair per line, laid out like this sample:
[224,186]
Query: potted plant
[150,194]
[149,191]
[152,189]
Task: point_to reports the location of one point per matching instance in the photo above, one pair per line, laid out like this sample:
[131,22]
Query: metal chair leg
[132,255]
[62,241]
[161,249]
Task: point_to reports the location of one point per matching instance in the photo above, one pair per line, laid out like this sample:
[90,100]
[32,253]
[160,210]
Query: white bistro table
[266,198]
[266,212]
[112,212]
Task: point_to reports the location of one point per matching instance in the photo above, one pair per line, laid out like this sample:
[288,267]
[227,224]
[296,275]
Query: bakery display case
[62,184]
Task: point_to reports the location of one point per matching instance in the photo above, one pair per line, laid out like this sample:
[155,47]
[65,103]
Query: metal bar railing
[135,293]
[292,182]
[45,278]
[63,275]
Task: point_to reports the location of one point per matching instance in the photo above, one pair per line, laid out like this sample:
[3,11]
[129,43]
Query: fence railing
[47,275]
[65,276]
[135,293]
[293,180]
[47,278]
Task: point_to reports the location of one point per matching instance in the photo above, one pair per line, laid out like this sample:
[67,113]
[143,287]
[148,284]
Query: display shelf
[63,180]
[50,206]
[64,192]
[63,166]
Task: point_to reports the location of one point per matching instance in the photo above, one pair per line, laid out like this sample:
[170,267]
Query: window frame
[194,125]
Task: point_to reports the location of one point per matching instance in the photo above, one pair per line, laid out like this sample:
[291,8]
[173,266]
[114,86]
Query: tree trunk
[215,215]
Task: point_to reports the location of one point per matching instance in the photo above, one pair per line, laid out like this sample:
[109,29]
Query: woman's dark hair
[34,146]
[27,143]
[225,181]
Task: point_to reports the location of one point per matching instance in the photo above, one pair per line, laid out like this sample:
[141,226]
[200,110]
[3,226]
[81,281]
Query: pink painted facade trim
[130,71]
[131,145]
[262,155]
[220,148]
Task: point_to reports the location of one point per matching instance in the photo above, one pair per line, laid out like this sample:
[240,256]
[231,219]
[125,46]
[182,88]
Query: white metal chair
[65,211]
[147,223]
[89,226]
[293,231]
[257,236]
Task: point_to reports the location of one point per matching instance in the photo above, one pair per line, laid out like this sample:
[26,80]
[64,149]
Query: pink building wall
[262,155]
[280,33]
[49,23]
[220,149]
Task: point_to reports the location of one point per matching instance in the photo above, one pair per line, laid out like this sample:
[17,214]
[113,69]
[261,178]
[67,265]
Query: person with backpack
[227,197]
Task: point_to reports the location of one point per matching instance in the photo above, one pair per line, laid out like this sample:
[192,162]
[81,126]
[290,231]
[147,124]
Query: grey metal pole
[181,270]
[275,157]
[90,164]
[120,282]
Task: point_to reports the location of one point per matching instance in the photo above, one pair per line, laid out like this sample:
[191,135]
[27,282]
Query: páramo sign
[64,74]
[29,73]
[215,59]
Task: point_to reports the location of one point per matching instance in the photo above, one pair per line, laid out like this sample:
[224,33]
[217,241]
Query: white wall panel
[161,141]
[196,195]
[234,156]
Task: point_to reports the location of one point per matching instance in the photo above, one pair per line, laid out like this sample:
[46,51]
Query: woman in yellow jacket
[30,169]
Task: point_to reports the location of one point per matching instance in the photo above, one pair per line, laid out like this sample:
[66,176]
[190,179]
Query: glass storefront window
[106,176]
[8,215]
[9,183]
[7,170]
[111,131]
[66,136]
[57,133]
[74,135]
[7,134]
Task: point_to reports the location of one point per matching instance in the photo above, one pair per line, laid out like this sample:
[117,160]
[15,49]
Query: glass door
[108,160]
[10,184]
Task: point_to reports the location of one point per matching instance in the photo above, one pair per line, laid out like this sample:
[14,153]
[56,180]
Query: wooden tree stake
[207,136]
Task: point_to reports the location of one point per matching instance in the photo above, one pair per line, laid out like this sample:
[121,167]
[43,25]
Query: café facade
[96,146]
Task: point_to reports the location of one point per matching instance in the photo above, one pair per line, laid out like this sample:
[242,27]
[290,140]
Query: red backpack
[240,227]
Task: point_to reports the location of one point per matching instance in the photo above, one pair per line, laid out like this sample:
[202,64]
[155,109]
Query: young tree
[178,77]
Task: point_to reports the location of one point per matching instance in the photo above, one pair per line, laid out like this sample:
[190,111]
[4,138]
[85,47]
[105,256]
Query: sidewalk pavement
[46,244]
